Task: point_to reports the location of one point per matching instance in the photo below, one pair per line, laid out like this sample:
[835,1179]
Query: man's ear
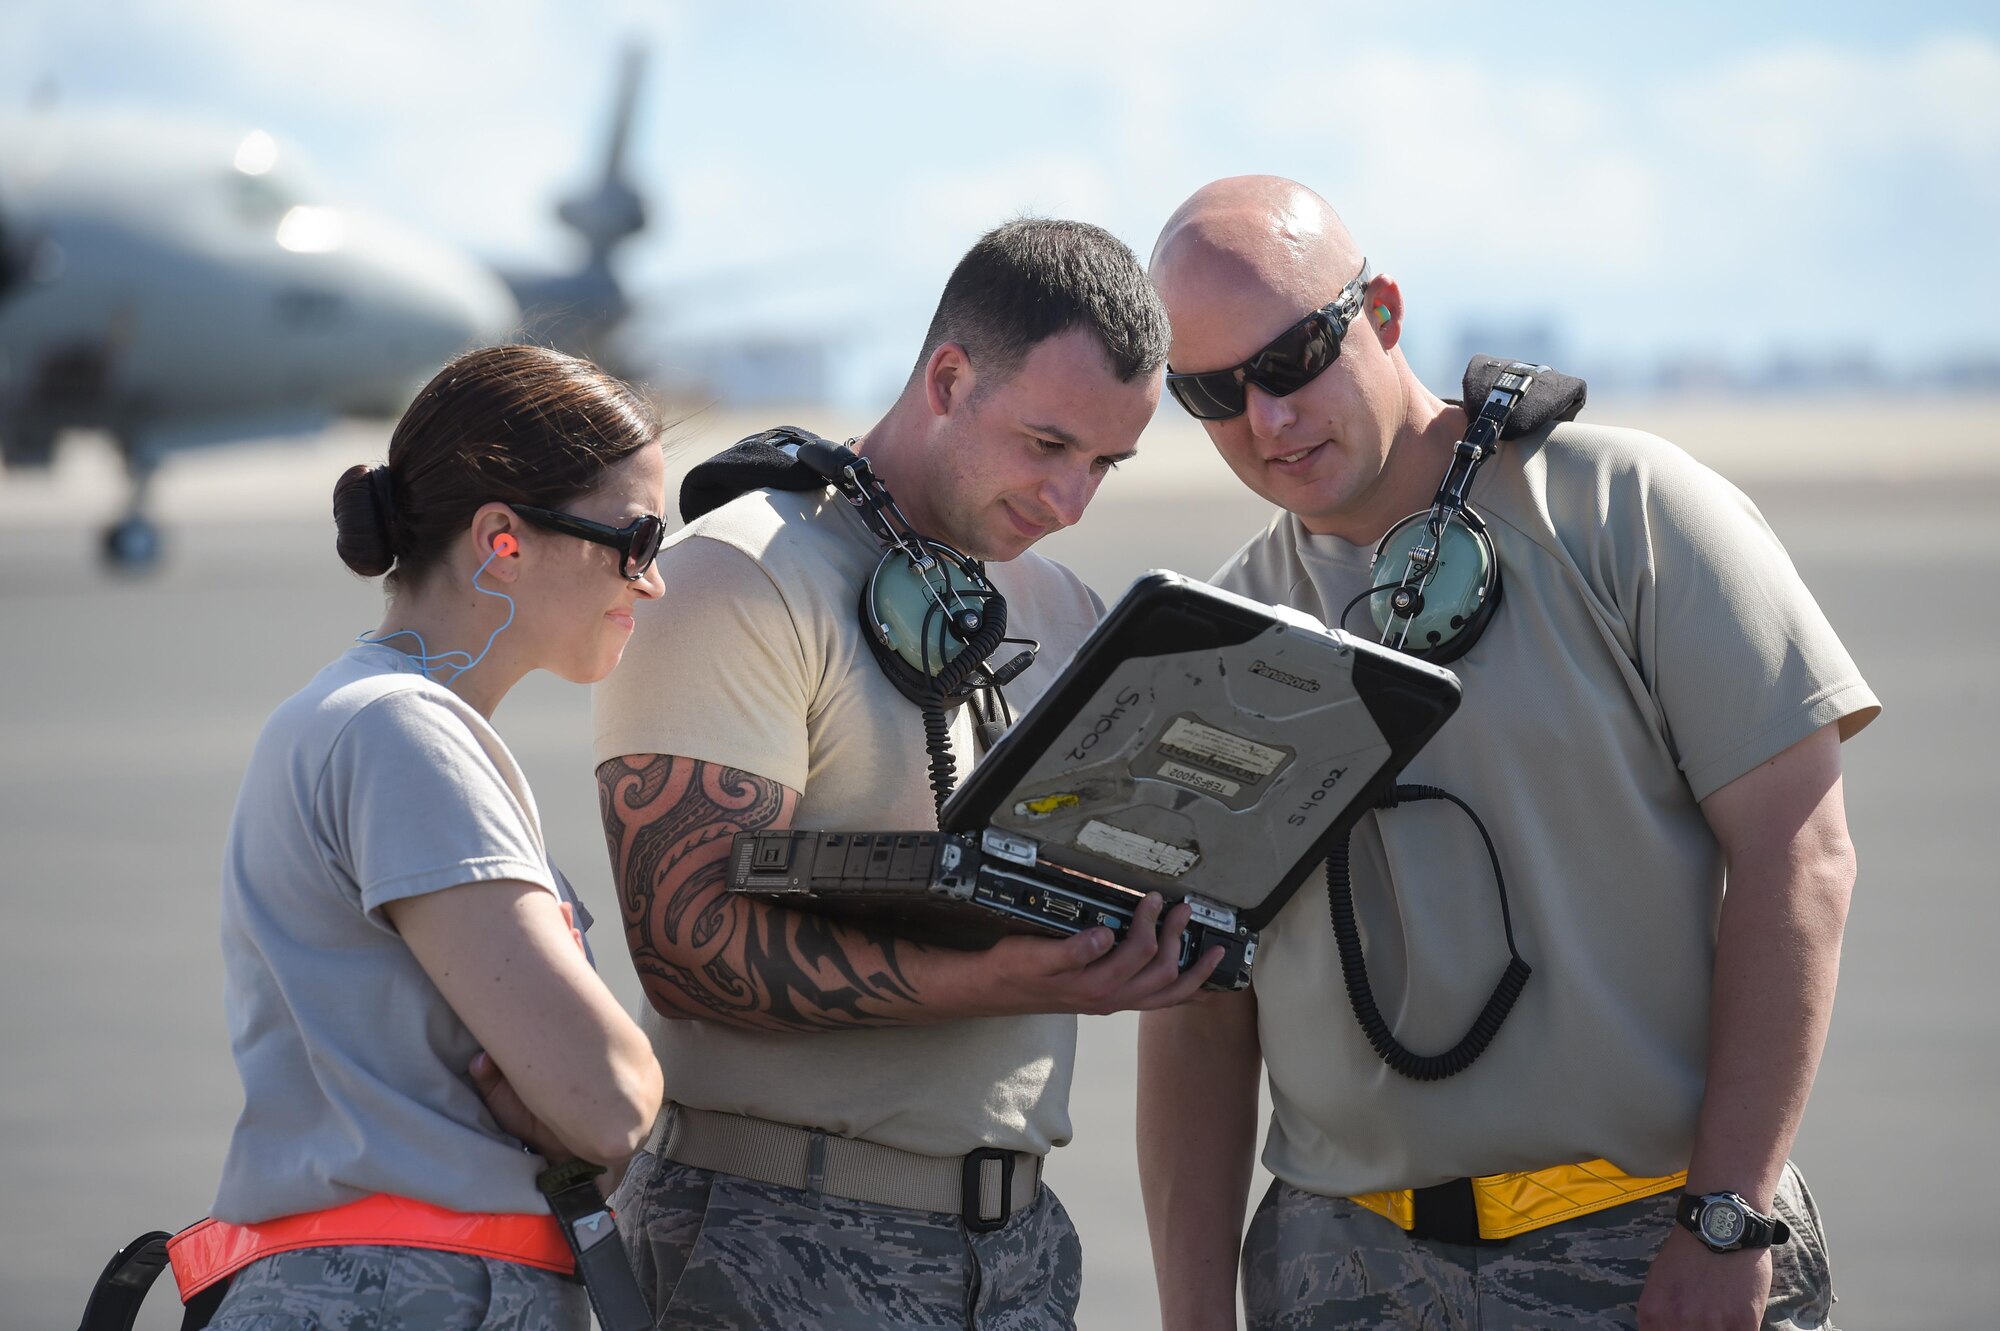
[1382,306]
[948,378]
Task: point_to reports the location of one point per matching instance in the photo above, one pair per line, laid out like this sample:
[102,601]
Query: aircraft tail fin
[611,211]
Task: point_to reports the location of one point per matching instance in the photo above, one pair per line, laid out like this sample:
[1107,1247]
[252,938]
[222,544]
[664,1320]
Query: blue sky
[1715,180]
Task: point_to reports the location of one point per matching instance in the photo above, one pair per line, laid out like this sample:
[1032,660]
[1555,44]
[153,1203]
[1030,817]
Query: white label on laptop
[1200,780]
[1115,843]
[1218,748]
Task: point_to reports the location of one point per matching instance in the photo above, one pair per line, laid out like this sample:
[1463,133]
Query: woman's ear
[495,534]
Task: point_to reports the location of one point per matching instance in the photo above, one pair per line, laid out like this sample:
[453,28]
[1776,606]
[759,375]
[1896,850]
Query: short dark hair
[513,424]
[1032,278]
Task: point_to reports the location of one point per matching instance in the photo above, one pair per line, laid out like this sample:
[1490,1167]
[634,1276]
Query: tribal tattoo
[701,951]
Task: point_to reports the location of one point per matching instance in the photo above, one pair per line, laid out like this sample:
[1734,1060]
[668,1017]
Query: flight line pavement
[128,707]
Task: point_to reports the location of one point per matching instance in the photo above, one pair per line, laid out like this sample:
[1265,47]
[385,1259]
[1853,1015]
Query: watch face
[1721,1223]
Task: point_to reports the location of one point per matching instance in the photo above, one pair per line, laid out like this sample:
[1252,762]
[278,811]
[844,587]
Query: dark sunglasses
[637,542]
[1288,362]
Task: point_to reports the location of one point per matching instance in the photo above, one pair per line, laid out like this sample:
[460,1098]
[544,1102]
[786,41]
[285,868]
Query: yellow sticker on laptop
[1046,805]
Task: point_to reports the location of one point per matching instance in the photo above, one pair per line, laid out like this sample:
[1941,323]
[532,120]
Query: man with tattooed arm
[856,1122]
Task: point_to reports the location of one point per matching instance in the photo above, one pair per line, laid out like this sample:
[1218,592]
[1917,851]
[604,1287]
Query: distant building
[1537,341]
[1969,374]
[1790,371]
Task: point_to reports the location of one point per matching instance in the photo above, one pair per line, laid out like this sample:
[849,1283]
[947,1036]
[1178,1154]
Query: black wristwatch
[1724,1222]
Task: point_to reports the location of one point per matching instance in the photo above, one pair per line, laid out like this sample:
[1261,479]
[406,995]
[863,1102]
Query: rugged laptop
[1199,745]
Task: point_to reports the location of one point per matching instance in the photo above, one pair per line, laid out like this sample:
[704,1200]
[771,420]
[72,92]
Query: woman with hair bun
[398,949]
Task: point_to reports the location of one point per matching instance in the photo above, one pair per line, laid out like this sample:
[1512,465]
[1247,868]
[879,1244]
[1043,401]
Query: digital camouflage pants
[715,1252]
[398,1289]
[1313,1263]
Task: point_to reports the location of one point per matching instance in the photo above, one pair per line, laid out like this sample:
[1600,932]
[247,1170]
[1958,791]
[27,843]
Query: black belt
[1446,1213]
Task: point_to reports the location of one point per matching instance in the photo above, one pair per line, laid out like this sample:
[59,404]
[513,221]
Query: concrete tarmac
[128,708]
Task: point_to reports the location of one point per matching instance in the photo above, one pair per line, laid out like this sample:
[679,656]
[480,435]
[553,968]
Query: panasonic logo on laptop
[1295,681]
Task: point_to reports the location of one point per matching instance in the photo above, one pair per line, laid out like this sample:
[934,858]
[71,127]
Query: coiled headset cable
[956,677]
[1354,966]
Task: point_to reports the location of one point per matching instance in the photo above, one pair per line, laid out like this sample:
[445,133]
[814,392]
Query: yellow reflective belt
[1510,1204]
[1399,1208]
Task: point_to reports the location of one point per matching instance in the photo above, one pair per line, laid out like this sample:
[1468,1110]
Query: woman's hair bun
[364,520]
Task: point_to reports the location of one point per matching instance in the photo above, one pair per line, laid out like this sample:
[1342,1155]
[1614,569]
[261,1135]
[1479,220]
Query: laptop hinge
[1006,846]
[1211,913]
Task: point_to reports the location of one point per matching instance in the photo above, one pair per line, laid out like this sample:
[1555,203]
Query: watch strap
[1688,1212]
[1763,1231]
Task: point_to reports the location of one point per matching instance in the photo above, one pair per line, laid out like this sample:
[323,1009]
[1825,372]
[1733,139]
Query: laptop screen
[1201,743]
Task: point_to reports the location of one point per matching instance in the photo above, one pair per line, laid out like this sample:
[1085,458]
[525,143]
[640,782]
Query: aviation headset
[1445,589]
[1448,585]
[929,615]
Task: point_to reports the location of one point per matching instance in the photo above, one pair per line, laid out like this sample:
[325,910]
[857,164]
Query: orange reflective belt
[1511,1204]
[212,1250]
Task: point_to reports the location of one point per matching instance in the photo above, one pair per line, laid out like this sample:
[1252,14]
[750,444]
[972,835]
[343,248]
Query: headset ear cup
[1467,580]
[909,681]
[1460,643]
[951,683]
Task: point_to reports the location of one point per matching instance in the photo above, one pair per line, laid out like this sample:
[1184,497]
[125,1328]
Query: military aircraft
[179,285]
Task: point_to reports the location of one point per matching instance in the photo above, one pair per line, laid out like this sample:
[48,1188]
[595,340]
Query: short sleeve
[412,803]
[716,671]
[1738,654]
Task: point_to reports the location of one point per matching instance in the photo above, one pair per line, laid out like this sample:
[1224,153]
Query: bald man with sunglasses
[1656,700]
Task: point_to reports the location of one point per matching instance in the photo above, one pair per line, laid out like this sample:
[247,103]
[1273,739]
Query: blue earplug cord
[427,660]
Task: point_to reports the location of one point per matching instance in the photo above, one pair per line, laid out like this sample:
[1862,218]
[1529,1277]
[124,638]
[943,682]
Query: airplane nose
[415,303]
[467,306]
[446,301]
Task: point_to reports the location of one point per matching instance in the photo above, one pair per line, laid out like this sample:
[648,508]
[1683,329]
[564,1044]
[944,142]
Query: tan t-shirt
[1653,643]
[754,659]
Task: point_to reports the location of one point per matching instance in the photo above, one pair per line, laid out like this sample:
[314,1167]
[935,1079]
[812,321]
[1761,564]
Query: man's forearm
[706,953]
[1777,957]
[1197,1130]
[1783,828]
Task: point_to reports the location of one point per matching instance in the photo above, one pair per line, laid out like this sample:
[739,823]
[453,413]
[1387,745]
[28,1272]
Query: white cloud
[1801,174]
[939,213]
[1801,110]
[1451,155]
[1603,193]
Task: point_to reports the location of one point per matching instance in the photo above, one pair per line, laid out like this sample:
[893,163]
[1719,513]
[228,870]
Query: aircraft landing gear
[131,545]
